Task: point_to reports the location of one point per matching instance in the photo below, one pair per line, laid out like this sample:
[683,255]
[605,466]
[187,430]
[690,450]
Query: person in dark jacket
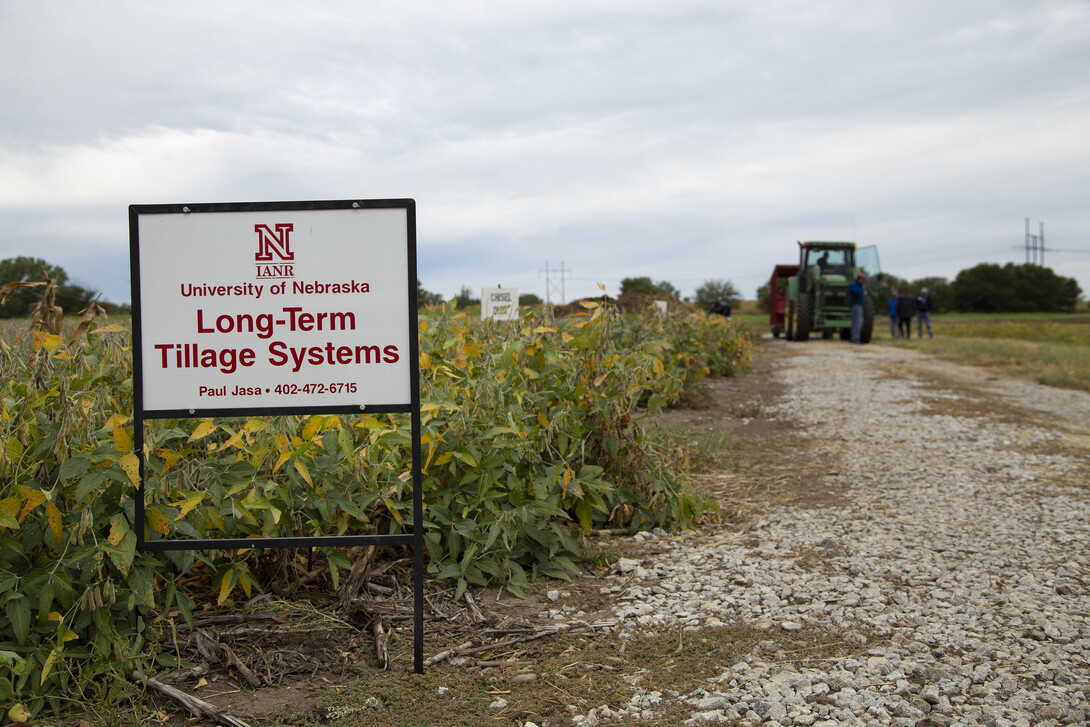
[906,308]
[857,292]
[923,310]
[720,307]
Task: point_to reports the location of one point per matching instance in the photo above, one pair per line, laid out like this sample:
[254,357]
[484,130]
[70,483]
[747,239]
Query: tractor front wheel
[804,318]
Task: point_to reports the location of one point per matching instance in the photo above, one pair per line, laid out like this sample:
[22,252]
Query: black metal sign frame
[140,415]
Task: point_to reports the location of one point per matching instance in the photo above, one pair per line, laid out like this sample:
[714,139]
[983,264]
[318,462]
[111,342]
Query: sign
[500,304]
[277,308]
[274,307]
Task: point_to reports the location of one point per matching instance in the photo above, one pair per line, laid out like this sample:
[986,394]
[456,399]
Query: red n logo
[269,242]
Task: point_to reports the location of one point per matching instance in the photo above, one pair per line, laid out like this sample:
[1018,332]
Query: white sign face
[500,304]
[274,308]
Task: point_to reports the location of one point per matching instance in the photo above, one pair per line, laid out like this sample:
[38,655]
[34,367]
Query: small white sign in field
[500,304]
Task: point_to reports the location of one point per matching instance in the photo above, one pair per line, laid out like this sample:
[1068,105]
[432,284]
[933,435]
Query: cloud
[684,141]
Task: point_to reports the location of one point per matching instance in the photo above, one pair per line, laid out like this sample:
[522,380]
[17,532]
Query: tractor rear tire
[868,320]
[790,333]
[804,319]
[827,333]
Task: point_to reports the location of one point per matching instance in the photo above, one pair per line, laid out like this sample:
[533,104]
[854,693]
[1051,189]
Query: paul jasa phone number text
[279,389]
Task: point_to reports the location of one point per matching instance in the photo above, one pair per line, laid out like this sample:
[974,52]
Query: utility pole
[1035,243]
[550,286]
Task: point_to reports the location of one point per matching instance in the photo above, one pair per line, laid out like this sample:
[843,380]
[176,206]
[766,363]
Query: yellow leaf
[598,381]
[53,517]
[542,419]
[392,507]
[425,361]
[601,286]
[48,666]
[312,427]
[588,304]
[131,464]
[566,480]
[158,521]
[544,329]
[254,425]
[19,714]
[11,505]
[203,429]
[225,586]
[119,527]
[48,341]
[431,453]
[186,505]
[281,460]
[202,682]
[169,457]
[567,337]
[32,499]
[122,440]
[68,634]
[301,468]
[233,441]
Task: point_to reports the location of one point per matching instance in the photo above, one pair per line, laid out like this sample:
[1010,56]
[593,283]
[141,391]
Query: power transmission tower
[1035,244]
[551,286]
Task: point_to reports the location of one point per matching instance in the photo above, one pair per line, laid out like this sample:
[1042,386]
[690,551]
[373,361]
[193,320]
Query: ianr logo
[274,255]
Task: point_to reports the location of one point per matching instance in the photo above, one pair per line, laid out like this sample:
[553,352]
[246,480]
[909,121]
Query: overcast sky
[685,140]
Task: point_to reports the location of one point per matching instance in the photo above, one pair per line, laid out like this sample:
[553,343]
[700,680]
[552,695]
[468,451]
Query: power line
[550,286]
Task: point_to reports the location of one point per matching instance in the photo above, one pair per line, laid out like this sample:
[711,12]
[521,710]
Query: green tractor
[817,295]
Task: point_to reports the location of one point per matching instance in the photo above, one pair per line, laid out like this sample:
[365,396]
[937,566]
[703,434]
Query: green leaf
[73,467]
[584,513]
[18,613]
[122,554]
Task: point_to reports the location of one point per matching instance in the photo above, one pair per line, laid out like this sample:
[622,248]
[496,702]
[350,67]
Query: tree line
[984,288]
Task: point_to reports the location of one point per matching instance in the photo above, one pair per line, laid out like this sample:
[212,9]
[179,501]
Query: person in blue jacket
[857,290]
[891,309]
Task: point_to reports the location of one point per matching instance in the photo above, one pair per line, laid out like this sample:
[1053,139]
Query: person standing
[857,290]
[923,310]
[906,308]
[891,309]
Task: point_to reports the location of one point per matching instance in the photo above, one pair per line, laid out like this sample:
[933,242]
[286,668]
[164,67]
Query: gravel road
[955,556]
